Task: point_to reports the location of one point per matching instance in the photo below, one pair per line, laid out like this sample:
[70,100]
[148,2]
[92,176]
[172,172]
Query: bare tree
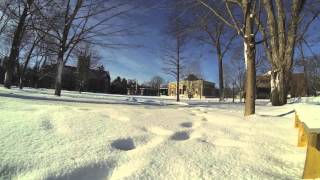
[155,83]
[280,33]
[244,25]
[193,68]
[17,39]
[4,17]
[33,40]
[235,73]
[217,35]
[90,21]
[173,53]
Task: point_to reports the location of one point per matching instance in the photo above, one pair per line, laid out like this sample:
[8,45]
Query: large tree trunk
[21,82]
[8,75]
[15,48]
[282,34]
[249,54]
[58,82]
[250,84]
[279,87]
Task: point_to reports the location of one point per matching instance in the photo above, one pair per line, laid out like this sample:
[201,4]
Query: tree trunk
[60,65]
[279,84]
[250,82]
[21,83]
[282,32]
[178,89]
[8,77]
[178,67]
[249,54]
[221,88]
[233,94]
[26,65]
[16,42]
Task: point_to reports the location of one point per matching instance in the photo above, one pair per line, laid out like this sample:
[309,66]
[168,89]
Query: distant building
[98,79]
[147,91]
[164,89]
[297,86]
[196,87]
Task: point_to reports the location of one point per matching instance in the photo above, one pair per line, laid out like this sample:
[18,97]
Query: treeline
[76,78]
[119,86]
[132,87]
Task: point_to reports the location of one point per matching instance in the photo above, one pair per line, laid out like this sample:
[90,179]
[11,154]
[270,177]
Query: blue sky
[143,63]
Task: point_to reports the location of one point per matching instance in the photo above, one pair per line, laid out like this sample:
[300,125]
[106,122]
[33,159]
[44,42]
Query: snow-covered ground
[99,136]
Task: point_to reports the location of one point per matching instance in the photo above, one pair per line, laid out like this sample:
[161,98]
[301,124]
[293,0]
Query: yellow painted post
[296,120]
[312,163]
[302,136]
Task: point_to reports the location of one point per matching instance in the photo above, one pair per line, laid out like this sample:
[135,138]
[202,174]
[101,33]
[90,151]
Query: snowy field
[99,136]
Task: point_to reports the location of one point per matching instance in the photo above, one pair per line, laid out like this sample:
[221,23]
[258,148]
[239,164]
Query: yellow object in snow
[311,138]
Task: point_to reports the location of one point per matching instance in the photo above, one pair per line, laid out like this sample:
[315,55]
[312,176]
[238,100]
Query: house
[195,86]
[297,86]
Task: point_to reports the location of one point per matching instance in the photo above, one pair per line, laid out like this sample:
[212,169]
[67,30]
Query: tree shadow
[279,115]
[99,171]
[59,99]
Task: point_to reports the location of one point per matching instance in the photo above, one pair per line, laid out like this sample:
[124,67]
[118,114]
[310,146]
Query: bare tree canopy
[173,54]
[95,22]
[278,24]
[240,16]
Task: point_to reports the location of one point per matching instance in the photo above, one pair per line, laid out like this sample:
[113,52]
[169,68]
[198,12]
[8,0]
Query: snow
[102,136]
[308,111]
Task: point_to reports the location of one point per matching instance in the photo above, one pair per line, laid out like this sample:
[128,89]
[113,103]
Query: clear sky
[145,62]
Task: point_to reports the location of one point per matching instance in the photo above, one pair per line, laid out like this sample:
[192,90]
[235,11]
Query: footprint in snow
[193,114]
[204,119]
[186,124]
[123,144]
[180,136]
